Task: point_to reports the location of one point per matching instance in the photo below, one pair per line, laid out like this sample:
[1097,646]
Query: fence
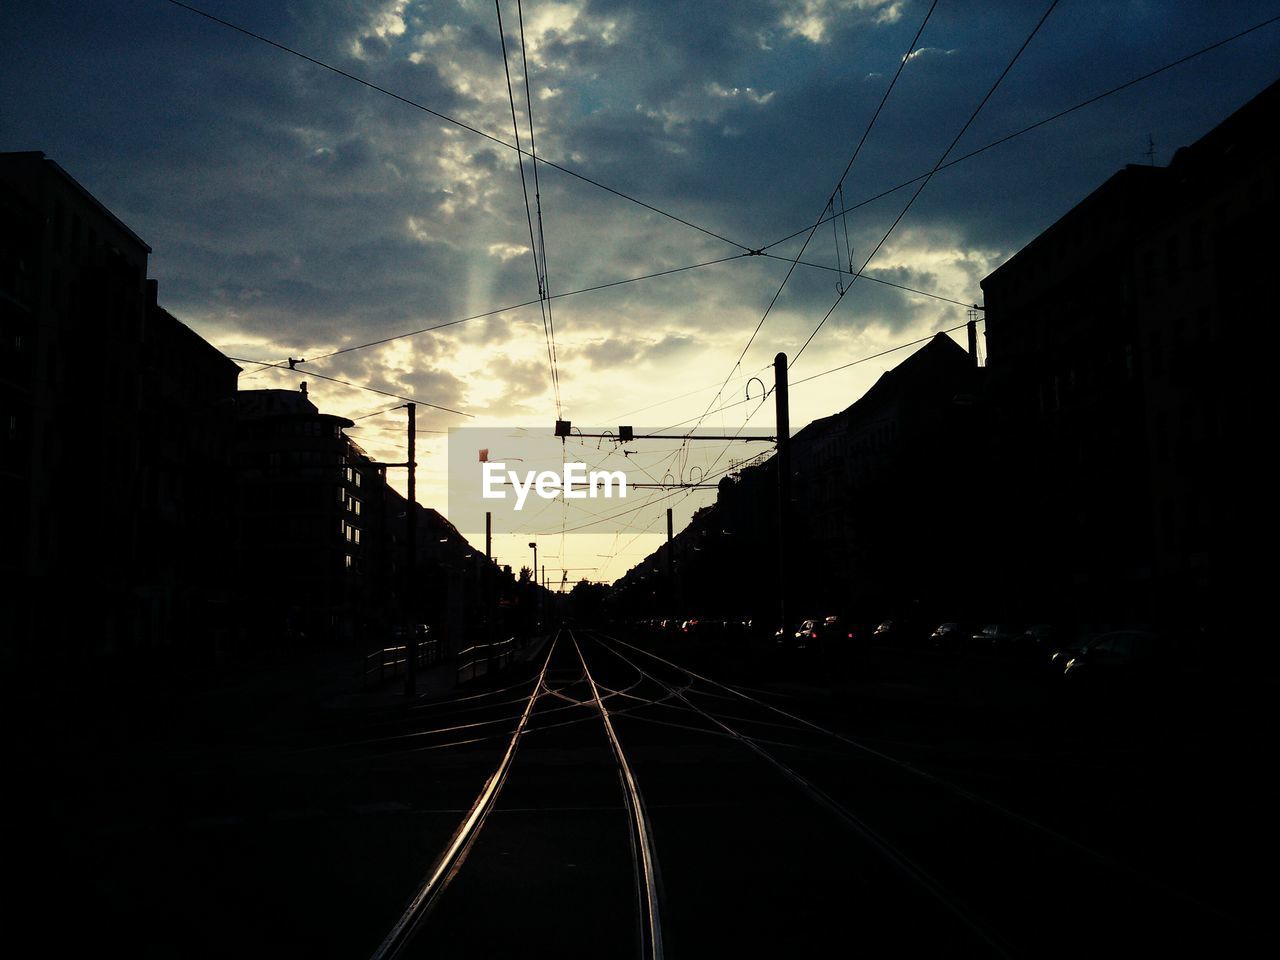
[482,658]
[390,662]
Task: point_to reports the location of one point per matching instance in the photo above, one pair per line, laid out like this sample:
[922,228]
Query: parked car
[837,631]
[808,637]
[1068,646]
[1001,638]
[884,632]
[1044,638]
[951,637]
[1122,659]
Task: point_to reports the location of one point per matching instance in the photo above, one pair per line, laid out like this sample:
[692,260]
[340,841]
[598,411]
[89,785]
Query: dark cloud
[293,209]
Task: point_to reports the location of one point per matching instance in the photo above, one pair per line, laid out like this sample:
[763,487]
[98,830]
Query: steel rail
[643,850]
[977,799]
[450,861]
[883,846]
[450,701]
[617,712]
[400,713]
[630,714]
[438,731]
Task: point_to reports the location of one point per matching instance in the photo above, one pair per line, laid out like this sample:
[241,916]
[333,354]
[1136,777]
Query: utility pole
[533,576]
[784,481]
[486,579]
[671,584]
[411,566]
[972,329]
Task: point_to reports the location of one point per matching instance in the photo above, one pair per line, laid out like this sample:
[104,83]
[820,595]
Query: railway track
[777,835]
[562,706]
[1012,885]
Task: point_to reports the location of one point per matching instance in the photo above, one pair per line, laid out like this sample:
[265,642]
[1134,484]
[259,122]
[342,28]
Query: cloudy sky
[294,212]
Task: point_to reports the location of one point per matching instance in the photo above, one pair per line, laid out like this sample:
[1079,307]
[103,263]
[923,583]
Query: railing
[482,658]
[391,661]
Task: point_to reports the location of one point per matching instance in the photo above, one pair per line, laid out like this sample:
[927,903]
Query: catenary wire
[1046,120]
[284,364]
[925,182]
[448,119]
[358,386]
[765,316]
[537,202]
[528,209]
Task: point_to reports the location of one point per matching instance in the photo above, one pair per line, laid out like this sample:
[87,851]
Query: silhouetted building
[884,492]
[1125,360]
[884,519]
[186,542]
[304,536]
[91,459]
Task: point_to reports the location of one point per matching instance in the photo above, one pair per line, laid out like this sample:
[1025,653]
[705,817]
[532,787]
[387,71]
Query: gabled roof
[915,370]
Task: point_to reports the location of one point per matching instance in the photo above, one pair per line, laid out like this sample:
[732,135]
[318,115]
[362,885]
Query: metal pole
[411,564]
[486,579]
[784,482]
[533,576]
[670,598]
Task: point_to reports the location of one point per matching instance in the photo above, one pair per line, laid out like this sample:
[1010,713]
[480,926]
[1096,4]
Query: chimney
[303,387]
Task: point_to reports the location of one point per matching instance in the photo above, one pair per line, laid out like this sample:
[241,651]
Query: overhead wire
[448,119]
[284,364]
[849,166]
[1045,120]
[360,386]
[925,181]
[528,212]
[537,200]
[999,141]
[763,251]
[378,413]
[874,279]
[843,366]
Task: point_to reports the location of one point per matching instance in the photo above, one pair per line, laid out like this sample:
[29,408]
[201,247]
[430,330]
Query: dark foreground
[898,805]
